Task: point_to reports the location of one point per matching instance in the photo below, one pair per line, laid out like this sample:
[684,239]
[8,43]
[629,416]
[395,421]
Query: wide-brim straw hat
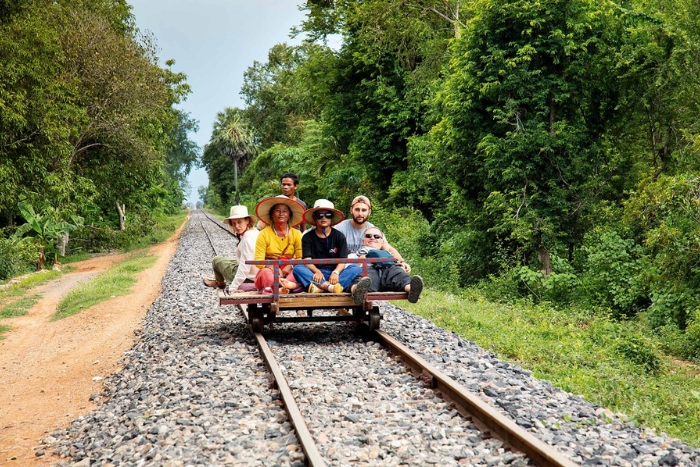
[240,212]
[264,206]
[323,205]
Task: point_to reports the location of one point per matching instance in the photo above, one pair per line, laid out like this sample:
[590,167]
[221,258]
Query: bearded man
[354,228]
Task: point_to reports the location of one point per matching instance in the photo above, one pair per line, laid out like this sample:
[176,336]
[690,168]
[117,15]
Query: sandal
[214,284]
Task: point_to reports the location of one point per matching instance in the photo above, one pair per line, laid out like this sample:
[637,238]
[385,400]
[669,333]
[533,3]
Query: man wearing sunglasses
[387,277]
[320,243]
[354,229]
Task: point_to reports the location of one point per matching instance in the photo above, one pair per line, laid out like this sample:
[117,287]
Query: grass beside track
[10,308]
[120,284]
[19,307]
[33,280]
[115,282]
[164,228]
[615,365]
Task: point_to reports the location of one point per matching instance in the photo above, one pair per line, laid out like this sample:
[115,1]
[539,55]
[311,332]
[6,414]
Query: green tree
[383,77]
[528,94]
[232,140]
[661,88]
[86,118]
[47,228]
[286,91]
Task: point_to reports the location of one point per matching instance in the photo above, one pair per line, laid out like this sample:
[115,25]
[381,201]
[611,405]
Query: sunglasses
[377,236]
[321,215]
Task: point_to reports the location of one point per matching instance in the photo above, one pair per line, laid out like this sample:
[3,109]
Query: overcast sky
[213,42]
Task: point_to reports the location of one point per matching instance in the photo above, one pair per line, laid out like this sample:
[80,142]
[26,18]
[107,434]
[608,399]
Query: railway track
[474,410]
[194,390]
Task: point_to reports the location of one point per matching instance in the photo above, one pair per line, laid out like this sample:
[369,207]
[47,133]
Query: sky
[214,42]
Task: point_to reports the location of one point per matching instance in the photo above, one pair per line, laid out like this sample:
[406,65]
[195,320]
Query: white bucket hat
[240,212]
[323,205]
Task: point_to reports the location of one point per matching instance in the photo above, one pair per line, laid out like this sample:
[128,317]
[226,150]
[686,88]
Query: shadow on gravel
[316,333]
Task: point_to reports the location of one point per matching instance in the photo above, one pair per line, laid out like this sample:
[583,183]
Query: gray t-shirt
[352,235]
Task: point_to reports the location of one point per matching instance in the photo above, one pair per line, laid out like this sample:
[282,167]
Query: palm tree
[232,137]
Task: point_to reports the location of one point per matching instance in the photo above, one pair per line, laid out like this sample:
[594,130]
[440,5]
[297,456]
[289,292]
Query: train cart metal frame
[265,308]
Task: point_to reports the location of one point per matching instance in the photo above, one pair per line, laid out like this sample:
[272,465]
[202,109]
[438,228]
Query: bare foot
[287,284]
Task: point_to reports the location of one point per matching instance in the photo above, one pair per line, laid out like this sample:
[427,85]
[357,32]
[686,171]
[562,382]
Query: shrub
[612,273]
[640,353]
[17,256]
[101,236]
[664,213]
[670,305]
[691,343]
[558,286]
[518,282]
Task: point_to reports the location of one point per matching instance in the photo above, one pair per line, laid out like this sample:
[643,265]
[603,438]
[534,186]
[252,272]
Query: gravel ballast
[194,391]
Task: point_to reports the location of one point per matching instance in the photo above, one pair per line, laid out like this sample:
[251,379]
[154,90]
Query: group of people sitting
[330,237]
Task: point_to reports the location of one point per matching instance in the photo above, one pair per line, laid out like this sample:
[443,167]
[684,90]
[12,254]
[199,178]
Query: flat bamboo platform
[304,300]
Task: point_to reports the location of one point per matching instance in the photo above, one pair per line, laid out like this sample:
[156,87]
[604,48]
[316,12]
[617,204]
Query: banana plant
[46,228]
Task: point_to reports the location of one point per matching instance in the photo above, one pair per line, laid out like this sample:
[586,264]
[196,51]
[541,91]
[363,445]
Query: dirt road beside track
[49,370]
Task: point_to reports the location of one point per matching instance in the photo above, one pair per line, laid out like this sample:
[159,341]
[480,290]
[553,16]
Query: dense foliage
[542,150]
[87,125]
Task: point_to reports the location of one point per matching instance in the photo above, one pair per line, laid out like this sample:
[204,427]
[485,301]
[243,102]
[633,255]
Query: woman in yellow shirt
[279,239]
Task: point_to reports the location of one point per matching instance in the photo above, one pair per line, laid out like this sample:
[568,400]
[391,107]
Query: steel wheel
[374,319]
[256,322]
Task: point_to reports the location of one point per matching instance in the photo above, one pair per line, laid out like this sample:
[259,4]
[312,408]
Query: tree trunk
[121,210]
[40,266]
[235,177]
[545,260]
[63,243]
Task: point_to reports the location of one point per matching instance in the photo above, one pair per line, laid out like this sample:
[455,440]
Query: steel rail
[218,223]
[308,445]
[209,238]
[503,427]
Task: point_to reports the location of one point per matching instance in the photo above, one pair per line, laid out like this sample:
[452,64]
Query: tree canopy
[530,136]
[87,116]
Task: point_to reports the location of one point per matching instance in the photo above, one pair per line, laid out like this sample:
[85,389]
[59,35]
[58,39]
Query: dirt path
[49,370]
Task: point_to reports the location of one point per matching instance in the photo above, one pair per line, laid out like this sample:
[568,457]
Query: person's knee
[264,278]
[302,271]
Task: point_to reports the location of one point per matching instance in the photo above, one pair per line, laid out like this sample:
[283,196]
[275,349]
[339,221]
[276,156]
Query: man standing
[355,227]
[289,182]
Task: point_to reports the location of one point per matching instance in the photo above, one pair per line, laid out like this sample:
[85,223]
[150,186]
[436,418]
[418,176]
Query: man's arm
[395,253]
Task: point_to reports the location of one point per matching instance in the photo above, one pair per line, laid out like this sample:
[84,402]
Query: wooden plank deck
[303,299]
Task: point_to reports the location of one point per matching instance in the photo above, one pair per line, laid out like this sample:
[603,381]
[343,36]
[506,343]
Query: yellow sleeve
[296,238]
